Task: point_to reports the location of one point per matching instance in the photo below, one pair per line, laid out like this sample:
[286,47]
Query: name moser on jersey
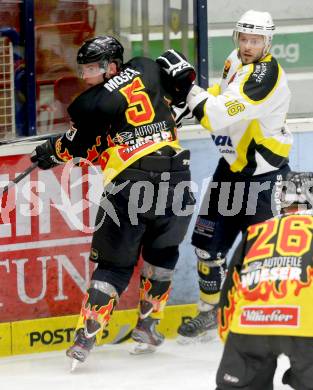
[138,92]
[154,131]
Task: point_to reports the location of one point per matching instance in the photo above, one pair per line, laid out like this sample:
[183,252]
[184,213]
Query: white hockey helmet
[255,22]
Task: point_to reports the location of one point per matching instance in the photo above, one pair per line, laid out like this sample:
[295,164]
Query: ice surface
[173,366]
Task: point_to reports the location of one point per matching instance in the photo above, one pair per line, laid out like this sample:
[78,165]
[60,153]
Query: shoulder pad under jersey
[142,62]
[261,80]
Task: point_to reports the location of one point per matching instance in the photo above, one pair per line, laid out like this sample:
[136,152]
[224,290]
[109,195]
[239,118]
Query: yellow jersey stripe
[254,132]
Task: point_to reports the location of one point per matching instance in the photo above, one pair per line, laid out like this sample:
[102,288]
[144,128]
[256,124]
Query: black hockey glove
[181,74]
[45,154]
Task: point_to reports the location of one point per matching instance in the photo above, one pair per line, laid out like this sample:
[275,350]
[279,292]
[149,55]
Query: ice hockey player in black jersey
[124,121]
[266,302]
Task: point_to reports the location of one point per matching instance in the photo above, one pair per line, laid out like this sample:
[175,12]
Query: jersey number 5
[140,110]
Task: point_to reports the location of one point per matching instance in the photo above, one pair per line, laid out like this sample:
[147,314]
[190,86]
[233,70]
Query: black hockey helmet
[297,190]
[101,49]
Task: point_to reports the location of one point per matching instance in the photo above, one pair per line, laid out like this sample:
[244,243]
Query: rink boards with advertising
[56,333]
[45,241]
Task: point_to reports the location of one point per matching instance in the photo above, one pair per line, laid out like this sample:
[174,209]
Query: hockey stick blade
[19,178]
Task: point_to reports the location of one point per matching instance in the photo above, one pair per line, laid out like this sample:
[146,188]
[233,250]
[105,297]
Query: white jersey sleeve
[256,91]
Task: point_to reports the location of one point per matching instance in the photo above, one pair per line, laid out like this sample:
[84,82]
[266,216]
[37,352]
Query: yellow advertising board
[56,333]
[5,339]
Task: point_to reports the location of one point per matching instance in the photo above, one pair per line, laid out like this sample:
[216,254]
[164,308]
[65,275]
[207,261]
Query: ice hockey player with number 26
[266,300]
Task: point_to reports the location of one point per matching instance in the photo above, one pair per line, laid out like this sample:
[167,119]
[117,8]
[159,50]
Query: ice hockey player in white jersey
[246,116]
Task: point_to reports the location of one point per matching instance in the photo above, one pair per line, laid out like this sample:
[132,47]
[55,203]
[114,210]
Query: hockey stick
[29,139]
[19,178]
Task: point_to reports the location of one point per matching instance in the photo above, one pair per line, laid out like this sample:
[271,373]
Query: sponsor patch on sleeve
[70,134]
[227,66]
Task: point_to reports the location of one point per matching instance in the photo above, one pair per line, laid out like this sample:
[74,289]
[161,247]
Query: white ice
[111,367]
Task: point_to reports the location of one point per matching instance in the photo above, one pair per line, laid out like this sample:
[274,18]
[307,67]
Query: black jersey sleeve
[87,136]
[262,80]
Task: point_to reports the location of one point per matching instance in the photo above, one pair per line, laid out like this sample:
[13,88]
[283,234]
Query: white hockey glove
[195,96]
[181,112]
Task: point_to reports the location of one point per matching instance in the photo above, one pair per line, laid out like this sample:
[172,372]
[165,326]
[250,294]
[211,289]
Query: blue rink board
[204,157]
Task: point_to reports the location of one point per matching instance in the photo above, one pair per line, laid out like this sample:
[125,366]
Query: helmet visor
[92,70]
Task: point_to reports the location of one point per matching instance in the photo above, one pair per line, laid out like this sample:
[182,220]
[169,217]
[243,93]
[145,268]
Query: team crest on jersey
[123,138]
[227,66]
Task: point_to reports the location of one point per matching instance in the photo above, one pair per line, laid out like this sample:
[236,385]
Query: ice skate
[197,329]
[146,336]
[83,343]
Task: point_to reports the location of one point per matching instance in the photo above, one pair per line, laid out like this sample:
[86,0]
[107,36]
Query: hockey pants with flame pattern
[155,285]
[97,306]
